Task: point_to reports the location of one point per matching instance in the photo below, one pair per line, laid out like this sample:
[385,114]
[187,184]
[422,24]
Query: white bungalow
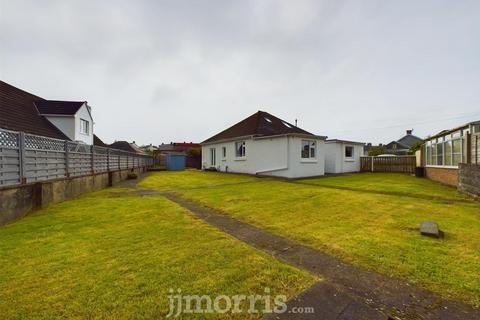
[263,144]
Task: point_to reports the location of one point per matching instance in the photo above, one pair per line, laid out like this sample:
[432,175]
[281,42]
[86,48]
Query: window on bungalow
[224,152]
[240,149]
[213,156]
[349,152]
[308,149]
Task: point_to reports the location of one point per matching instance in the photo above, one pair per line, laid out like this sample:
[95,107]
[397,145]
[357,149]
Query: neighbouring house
[150,148]
[73,118]
[98,142]
[443,152]
[127,146]
[402,145]
[66,120]
[263,144]
[343,156]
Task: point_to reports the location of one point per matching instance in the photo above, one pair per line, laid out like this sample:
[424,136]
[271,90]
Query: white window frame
[240,149]
[84,124]
[312,147]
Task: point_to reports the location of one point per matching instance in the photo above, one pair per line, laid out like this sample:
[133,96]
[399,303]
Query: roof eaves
[345,141]
[226,139]
[444,132]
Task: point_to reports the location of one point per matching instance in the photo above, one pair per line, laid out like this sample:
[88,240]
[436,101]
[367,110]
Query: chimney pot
[409,131]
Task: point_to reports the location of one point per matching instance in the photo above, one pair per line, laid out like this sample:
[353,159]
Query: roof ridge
[257,125]
[254,125]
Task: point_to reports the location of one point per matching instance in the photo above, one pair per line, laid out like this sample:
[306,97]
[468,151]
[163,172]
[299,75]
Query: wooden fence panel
[26,158]
[388,164]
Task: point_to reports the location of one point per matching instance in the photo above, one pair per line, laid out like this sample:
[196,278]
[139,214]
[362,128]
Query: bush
[416,146]
[376,150]
[132,175]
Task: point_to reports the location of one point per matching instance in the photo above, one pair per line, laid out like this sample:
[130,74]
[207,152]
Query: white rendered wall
[333,157]
[335,160]
[83,113]
[280,156]
[66,124]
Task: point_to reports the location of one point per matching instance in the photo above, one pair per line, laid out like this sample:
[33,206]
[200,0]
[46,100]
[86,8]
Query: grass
[374,223]
[104,256]
[188,179]
[390,183]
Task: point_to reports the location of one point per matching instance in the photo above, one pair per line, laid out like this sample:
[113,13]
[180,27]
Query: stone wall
[469,179]
[448,176]
[17,201]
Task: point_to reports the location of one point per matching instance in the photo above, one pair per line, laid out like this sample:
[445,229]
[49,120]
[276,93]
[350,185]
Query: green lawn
[389,183]
[104,256]
[188,179]
[374,225]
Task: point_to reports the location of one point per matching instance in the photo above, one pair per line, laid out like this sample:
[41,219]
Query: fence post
[468,154]
[67,160]
[92,158]
[119,157]
[372,164]
[108,160]
[477,152]
[21,151]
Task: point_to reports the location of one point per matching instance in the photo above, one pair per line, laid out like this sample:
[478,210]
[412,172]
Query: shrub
[132,175]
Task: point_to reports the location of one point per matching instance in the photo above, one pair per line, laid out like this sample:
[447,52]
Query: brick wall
[469,179]
[443,175]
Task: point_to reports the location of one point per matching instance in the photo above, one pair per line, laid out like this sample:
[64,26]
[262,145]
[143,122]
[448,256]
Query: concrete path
[347,292]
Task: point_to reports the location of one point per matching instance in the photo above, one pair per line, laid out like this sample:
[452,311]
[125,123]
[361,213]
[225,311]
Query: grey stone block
[430,229]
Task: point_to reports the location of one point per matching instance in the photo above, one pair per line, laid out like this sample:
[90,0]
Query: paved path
[347,292]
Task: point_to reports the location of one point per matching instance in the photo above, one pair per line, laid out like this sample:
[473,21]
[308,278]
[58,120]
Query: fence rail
[26,158]
[388,164]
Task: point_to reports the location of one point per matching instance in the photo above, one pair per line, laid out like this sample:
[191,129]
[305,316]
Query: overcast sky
[161,71]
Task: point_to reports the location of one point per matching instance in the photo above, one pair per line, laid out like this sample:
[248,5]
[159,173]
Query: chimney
[409,131]
[296,121]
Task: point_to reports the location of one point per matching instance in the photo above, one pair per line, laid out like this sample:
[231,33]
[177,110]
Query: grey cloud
[181,70]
